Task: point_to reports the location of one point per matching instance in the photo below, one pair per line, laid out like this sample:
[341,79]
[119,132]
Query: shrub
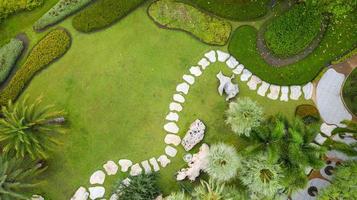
[349,92]
[59,11]
[291,32]
[9,53]
[103,13]
[243,116]
[308,113]
[216,190]
[9,7]
[49,48]
[175,15]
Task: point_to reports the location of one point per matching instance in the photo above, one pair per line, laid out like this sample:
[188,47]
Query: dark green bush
[8,56]
[291,32]
[350,92]
[50,47]
[103,13]
[308,113]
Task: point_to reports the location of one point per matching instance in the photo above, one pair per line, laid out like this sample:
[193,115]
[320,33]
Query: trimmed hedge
[349,92]
[233,9]
[9,7]
[50,47]
[59,11]
[103,13]
[308,113]
[175,15]
[9,53]
[291,32]
[338,38]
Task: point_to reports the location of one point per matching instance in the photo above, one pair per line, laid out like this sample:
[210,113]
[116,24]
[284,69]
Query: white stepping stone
[126,181]
[175,106]
[189,79]
[179,98]
[154,164]
[263,88]
[222,56]
[295,92]
[246,75]
[125,164]
[232,62]
[171,127]
[110,167]
[203,63]
[196,71]
[183,87]
[172,139]
[239,69]
[163,160]
[146,166]
[211,55]
[172,117]
[327,129]
[80,194]
[253,82]
[170,151]
[320,139]
[97,177]
[284,93]
[96,192]
[308,90]
[135,170]
[114,197]
[274,92]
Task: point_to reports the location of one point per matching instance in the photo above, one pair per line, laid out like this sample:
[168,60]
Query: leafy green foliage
[349,92]
[9,53]
[141,187]
[339,9]
[61,10]
[175,15]
[17,176]
[223,162]
[233,9]
[9,7]
[243,116]
[291,32]
[103,13]
[343,185]
[51,47]
[27,129]
[213,190]
[177,196]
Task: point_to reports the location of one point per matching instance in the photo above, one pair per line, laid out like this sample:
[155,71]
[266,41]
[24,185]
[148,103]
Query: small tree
[243,116]
[223,162]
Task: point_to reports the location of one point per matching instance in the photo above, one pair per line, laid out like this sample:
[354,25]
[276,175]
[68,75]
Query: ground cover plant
[349,92]
[233,9]
[176,15]
[9,53]
[9,7]
[103,13]
[291,32]
[52,46]
[338,38]
[59,11]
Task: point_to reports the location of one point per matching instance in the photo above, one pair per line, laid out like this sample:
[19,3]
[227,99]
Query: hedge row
[9,53]
[175,15]
[49,48]
[8,7]
[59,11]
[103,13]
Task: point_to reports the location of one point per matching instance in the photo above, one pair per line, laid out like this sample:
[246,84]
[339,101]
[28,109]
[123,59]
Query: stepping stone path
[182,89]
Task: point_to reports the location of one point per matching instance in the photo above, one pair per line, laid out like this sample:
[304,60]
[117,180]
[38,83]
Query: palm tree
[28,129]
[14,178]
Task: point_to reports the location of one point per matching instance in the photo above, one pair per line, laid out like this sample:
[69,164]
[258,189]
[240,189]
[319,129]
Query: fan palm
[28,129]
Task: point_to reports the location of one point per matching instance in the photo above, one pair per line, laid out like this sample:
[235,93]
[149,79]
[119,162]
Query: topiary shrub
[308,113]
[50,47]
[9,53]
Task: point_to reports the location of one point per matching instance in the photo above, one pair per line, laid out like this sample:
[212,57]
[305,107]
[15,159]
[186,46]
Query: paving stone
[170,151]
[125,164]
[222,56]
[163,160]
[308,90]
[284,93]
[196,71]
[327,129]
[179,98]
[175,106]
[189,79]
[146,166]
[183,87]
[154,164]
[239,69]
[211,55]
[135,170]
[97,177]
[96,192]
[110,167]
[232,62]
[274,92]
[171,127]
[320,139]
[172,139]
[246,75]
[80,194]
[263,88]
[253,82]
[295,92]
[172,117]
[204,63]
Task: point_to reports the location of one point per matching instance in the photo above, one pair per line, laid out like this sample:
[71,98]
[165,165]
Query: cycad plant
[214,190]
[15,178]
[28,129]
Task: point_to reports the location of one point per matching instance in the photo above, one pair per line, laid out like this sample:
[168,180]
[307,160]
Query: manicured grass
[350,92]
[241,10]
[175,15]
[117,94]
[291,32]
[338,39]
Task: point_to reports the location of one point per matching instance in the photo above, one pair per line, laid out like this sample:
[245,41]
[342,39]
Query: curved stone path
[273,92]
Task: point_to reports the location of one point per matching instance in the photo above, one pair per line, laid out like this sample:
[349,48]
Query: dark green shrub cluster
[103,13]
[9,7]
[8,56]
[52,46]
[308,113]
[175,15]
[59,11]
[291,32]
[233,9]
[350,92]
